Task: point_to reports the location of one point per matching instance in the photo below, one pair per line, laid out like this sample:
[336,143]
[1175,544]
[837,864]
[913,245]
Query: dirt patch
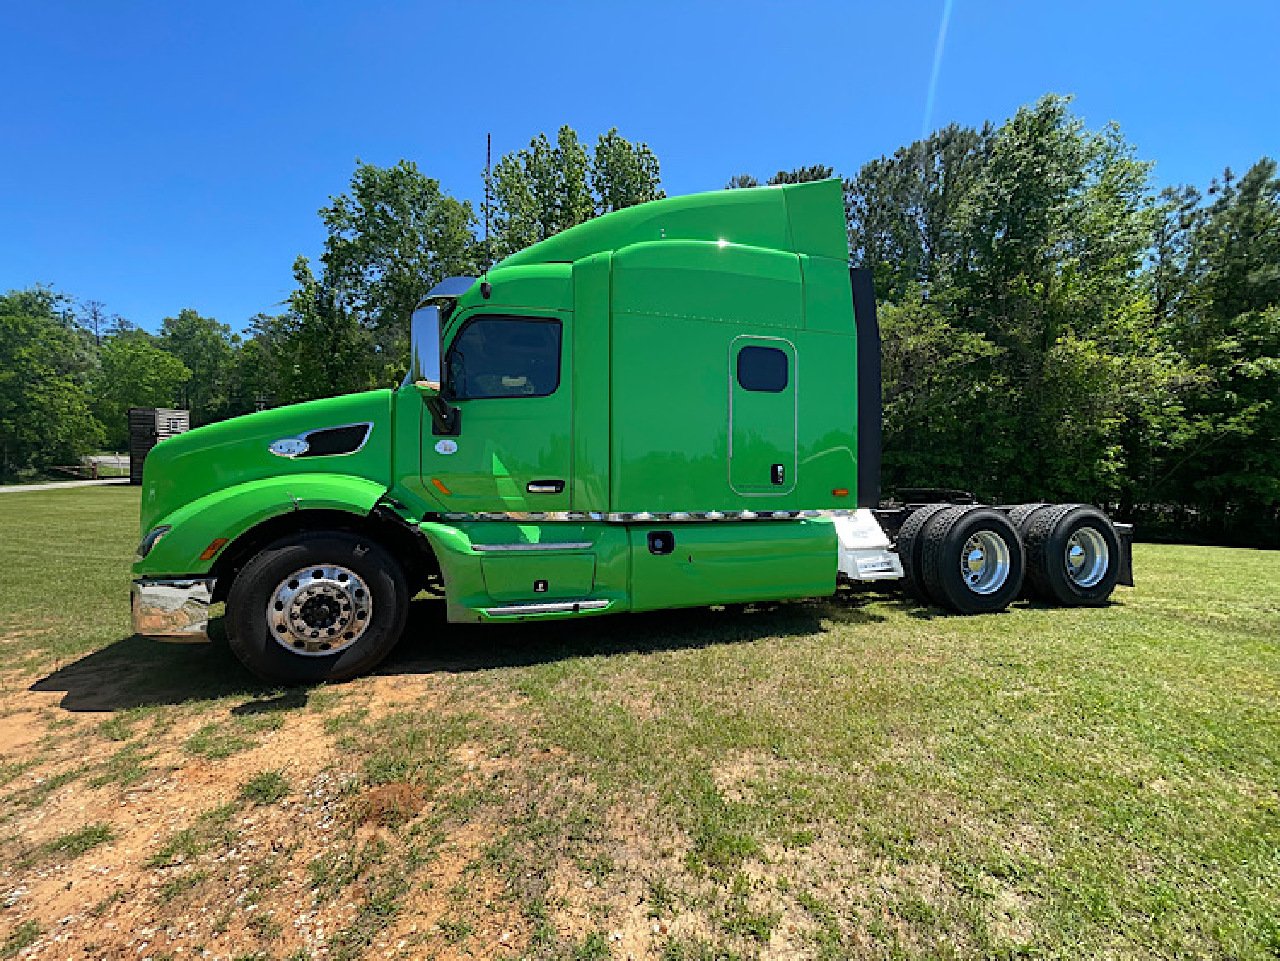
[389,805]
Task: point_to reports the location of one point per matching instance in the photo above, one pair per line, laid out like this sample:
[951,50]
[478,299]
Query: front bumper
[174,609]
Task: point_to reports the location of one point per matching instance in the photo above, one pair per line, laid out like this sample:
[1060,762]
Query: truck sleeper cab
[673,405]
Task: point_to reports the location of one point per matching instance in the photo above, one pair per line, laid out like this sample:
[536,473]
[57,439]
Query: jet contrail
[937,68]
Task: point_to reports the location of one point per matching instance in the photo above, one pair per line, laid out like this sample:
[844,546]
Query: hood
[188,466]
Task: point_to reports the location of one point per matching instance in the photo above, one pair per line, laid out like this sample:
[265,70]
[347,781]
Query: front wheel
[323,606]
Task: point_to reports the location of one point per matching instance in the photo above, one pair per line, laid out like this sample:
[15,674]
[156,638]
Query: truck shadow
[136,672]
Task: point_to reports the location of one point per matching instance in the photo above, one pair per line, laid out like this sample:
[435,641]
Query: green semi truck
[676,404]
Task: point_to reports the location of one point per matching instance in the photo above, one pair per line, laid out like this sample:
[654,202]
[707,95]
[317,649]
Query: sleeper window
[505,357]
[763,369]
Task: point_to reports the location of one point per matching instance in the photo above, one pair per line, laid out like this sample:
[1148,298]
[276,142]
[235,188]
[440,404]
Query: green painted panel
[533,576]
[724,563]
[828,296]
[591,366]
[230,512]
[540,286]
[505,443]
[184,468]
[816,213]
[762,423]
[471,574]
[674,281]
[802,218]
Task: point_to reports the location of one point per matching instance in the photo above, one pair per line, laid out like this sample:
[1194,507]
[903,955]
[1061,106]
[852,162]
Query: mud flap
[1124,533]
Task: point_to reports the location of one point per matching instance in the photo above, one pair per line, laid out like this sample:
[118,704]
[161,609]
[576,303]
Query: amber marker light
[440,486]
[215,545]
[840,492]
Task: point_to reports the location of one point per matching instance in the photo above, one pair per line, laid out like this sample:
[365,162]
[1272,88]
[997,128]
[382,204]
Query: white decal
[446,446]
[289,447]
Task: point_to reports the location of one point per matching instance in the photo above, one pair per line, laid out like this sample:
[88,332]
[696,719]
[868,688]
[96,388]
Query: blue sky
[155,156]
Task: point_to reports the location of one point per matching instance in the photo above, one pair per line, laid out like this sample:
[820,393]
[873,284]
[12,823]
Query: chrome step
[547,607]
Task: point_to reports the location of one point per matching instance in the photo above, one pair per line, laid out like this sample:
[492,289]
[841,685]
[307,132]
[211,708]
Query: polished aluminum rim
[1087,557]
[318,611]
[984,563]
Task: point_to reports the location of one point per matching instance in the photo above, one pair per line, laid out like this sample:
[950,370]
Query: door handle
[544,486]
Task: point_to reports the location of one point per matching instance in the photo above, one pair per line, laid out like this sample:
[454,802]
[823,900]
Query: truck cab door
[508,377]
[762,416]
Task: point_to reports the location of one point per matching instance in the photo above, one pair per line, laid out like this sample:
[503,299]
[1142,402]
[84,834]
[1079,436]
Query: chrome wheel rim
[1087,557]
[984,562]
[320,610]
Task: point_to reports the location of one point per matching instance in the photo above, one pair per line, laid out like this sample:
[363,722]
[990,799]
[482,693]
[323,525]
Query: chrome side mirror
[425,370]
[424,340]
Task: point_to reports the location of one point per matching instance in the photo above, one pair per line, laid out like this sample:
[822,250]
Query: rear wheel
[910,546]
[327,606]
[973,562]
[1073,555]
[1020,515]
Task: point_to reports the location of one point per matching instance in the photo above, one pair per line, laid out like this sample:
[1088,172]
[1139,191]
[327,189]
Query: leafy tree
[390,239]
[92,316]
[44,409]
[208,350]
[133,372]
[1221,312]
[623,173]
[544,189]
[904,211]
[802,175]
[1029,237]
[316,348]
[798,175]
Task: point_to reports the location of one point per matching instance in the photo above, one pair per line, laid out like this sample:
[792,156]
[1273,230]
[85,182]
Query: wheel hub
[984,562]
[319,610]
[1087,557]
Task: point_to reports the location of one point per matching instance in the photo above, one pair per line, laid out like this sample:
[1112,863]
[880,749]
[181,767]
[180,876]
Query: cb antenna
[485,288]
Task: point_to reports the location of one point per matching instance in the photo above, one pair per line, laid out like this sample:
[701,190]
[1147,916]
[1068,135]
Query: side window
[504,357]
[762,368]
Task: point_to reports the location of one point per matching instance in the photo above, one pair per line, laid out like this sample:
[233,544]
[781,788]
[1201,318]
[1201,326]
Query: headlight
[152,539]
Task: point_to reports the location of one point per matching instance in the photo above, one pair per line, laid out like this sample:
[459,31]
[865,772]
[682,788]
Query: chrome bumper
[174,609]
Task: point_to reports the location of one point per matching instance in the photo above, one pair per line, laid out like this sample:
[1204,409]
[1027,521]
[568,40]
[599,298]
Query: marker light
[215,545]
[840,492]
[439,484]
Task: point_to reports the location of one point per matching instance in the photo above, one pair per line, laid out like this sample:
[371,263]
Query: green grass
[209,830]
[859,777]
[266,787]
[75,843]
[22,936]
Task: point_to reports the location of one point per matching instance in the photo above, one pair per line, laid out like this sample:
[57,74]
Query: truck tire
[323,606]
[1018,517]
[973,561]
[910,546]
[1073,555]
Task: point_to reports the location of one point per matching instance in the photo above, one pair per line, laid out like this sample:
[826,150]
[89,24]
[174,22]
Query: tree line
[1053,326]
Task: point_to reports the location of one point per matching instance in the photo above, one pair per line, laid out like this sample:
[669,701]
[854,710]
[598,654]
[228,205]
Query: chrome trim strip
[551,607]
[565,546]
[645,517]
[172,608]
